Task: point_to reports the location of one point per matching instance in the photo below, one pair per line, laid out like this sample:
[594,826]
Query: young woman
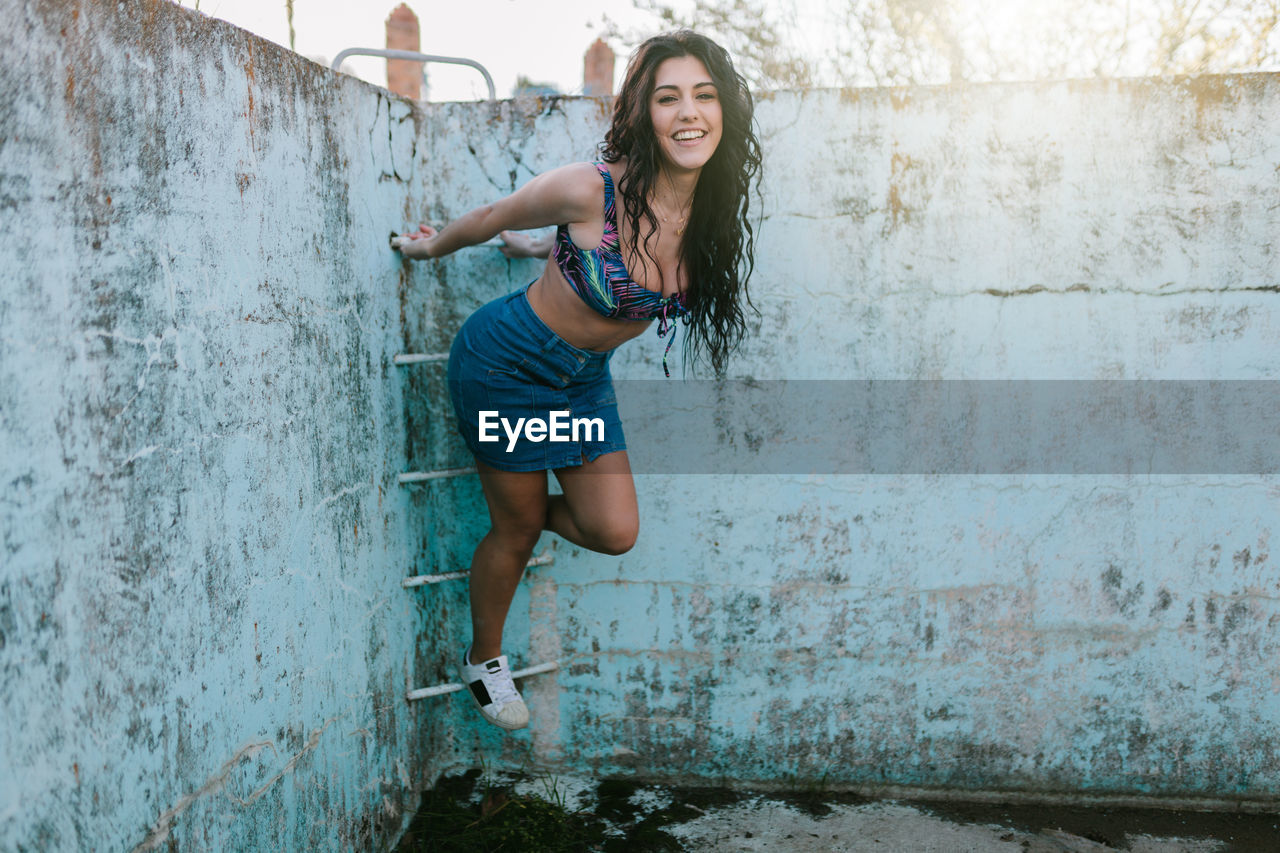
[658,230]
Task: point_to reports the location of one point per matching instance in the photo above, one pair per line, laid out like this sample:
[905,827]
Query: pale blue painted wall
[1099,634]
[202,430]
[203,638]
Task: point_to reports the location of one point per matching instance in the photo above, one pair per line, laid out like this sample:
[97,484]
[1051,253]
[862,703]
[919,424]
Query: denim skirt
[525,398]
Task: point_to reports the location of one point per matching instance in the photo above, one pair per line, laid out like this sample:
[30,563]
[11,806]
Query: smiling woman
[655,231]
[686,113]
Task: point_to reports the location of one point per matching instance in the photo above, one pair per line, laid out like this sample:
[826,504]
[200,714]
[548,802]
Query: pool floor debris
[477,811]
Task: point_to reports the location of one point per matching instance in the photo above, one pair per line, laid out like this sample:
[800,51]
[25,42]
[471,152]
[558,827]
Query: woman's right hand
[415,245]
[521,244]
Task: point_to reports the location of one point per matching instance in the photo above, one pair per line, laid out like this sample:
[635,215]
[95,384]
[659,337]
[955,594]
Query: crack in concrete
[153,346]
[312,741]
[339,495]
[198,442]
[159,832]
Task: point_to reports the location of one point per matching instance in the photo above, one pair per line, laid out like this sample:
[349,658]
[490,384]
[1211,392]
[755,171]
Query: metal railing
[454,687]
[414,56]
[546,558]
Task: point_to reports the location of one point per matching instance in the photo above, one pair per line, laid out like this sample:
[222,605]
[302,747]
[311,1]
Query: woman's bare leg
[598,509]
[517,512]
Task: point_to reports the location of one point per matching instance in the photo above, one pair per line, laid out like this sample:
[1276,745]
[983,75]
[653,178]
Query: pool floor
[486,811]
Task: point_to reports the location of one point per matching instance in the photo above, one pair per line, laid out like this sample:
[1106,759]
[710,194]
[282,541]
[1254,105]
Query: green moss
[475,812]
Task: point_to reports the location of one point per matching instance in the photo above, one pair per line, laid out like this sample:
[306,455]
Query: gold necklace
[680,223]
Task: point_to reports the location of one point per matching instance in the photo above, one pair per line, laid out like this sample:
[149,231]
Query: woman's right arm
[568,194]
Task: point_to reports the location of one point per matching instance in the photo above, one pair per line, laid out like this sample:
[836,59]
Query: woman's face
[685,108]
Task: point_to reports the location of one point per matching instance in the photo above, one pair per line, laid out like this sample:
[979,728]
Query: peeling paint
[199,403]
[203,535]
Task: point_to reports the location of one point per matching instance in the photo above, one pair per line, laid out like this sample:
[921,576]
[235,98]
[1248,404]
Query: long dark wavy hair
[718,248]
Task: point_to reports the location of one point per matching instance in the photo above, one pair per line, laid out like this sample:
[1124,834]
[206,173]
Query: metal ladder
[546,558]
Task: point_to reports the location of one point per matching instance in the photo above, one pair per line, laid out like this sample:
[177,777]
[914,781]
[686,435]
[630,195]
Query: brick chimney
[404,77]
[597,70]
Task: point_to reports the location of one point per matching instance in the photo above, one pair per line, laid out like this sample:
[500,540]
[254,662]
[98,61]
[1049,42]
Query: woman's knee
[516,534]
[616,537]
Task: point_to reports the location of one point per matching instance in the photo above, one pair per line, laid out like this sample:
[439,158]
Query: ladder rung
[422,580]
[420,357]
[419,476]
[546,558]
[441,689]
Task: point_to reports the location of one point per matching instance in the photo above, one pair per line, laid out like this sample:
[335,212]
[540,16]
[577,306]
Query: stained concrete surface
[636,816]
[1042,632]
[761,823]
[204,641]
[204,644]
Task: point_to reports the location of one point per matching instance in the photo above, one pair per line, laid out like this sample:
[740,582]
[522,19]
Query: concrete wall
[203,639]
[1036,634]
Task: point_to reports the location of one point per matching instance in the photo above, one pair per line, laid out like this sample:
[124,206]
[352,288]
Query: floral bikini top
[600,277]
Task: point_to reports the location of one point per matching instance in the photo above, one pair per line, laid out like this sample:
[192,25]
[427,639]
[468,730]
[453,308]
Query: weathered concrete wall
[1102,634]
[203,639]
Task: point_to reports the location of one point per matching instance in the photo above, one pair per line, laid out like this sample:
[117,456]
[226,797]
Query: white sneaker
[494,692]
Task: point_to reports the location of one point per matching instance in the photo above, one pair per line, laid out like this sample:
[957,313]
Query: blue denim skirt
[525,398]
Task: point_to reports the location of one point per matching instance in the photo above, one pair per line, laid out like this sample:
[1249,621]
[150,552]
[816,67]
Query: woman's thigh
[601,496]
[517,501]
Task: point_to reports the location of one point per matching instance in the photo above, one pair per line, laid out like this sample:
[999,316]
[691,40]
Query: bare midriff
[556,303]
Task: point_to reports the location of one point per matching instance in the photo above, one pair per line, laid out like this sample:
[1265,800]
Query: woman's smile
[685,111]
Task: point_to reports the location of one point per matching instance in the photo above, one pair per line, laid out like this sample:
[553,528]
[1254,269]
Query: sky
[541,39]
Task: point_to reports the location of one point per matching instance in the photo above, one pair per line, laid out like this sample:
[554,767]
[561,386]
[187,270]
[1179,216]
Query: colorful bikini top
[600,277]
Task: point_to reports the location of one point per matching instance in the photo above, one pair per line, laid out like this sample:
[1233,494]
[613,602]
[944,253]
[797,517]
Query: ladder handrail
[414,56]
[441,689]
